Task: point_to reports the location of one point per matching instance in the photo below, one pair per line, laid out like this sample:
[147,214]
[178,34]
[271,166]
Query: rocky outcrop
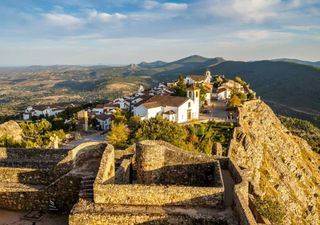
[11,129]
[280,165]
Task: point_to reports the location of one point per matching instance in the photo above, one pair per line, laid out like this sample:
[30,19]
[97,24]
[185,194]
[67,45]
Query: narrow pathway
[93,137]
[228,187]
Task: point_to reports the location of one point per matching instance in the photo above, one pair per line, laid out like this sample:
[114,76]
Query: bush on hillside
[119,135]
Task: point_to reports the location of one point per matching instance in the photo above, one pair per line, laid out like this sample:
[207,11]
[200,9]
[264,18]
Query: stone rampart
[106,173]
[33,154]
[31,187]
[158,195]
[175,167]
[124,172]
[17,196]
[241,192]
[159,162]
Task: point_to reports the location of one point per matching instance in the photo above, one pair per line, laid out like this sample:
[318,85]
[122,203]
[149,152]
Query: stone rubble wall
[106,173]
[32,154]
[27,197]
[241,193]
[123,173]
[33,188]
[106,192]
[158,195]
[280,166]
[159,162]
[99,214]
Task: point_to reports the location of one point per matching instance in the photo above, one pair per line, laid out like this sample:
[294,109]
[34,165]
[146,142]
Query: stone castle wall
[44,175]
[241,193]
[148,156]
[158,195]
[159,162]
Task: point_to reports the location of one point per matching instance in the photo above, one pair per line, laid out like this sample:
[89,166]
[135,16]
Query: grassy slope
[287,87]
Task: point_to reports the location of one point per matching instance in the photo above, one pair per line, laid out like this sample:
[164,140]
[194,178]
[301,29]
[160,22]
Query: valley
[290,88]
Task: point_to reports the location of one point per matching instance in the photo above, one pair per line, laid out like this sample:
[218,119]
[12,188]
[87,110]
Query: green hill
[290,88]
[315,64]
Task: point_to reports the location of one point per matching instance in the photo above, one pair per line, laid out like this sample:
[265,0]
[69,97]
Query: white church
[174,108]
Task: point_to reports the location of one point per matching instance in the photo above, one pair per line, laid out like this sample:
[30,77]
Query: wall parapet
[158,195]
[106,172]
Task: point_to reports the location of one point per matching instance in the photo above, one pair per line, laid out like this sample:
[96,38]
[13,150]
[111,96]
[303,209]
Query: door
[189,114]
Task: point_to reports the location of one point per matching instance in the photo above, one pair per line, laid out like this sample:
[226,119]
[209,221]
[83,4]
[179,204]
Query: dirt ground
[15,218]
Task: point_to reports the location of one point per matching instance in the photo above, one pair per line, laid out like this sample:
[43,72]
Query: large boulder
[11,129]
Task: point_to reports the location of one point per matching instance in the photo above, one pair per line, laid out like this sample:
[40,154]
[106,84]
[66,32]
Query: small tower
[193,93]
[141,88]
[208,75]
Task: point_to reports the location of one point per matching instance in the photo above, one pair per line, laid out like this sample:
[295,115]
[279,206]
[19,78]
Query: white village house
[226,89]
[203,80]
[174,108]
[104,121]
[41,110]
[223,94]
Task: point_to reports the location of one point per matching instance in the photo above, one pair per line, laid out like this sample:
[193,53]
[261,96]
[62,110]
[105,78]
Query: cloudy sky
[44,32]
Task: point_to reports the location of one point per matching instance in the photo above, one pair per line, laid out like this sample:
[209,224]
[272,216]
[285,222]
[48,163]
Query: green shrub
[270,209]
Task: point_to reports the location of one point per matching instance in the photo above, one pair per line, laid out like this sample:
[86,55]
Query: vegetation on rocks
[270,209]
[192,137]
[303,129]
[35,135]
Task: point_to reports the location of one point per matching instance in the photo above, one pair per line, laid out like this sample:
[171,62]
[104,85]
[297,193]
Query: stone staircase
[86,189]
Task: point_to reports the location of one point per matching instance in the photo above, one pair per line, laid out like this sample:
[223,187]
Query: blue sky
[44,32]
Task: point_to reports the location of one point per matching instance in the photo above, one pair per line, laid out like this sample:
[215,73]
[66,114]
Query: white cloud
[245,10]
[259,35]
[61,19]
[149,4]
[105,17]
[174,6]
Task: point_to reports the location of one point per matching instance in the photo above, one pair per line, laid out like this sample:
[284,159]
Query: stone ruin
[152,182]
[156,184]
[34,179]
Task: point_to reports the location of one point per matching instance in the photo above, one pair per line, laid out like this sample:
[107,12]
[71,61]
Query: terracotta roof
[221,90]
[144,99]
[113,105]
[159,100]
[103,117]
[198,77]
[40,107]
[170,112]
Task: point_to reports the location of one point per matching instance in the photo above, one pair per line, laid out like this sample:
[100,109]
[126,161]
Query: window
[189,104]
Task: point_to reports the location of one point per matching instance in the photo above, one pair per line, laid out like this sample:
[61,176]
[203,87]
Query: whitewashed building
[202,80]
[174,108]
[104,121]
[223,94]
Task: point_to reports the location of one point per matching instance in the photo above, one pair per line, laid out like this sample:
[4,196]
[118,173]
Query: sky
[83,32]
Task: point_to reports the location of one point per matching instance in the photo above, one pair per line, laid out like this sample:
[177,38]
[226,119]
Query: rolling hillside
[290,87]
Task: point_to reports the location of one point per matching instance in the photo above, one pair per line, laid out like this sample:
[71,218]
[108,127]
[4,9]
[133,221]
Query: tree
[251,96]
[118,135]
[134,122]
[181,87]
[58,123]
[162,129]
[234,102]
[120,117]
[239,80]
[241,95]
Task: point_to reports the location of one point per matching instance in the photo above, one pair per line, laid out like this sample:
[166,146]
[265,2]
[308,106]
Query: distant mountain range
[290,86]
[309,63]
